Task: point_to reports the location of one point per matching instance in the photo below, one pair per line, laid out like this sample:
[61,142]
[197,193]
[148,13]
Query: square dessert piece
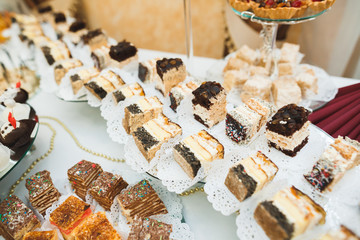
[307,81]
[140,112]
[339,157]
[95,39]
[147,71]
[63,67]
[81,77]
[101,57]
[285,90]
[16,219]
[55,51]
[258,70]
[171,71]
[76,30]
[209,103]
[42,192]
[256,87]
[106,187]
[288,214]
[265,109]
[242,124]
[235,63]
[343,233]
[140,200]
[127,91]
[104,84]
[288,130]
[123,53]
[41,235]
[250,175]
[69,215]
[150,136]
[196,149]
[285,69]
[289,53]
[235,79]
[81,175]
[247,54]
[96,226]
[180,91]
[147,228]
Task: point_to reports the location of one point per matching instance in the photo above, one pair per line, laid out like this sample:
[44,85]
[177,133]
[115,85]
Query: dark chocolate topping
[173,103]
[91,34]
[97,89]
[288,119]
[45,9]
[59,17]
[47,54]
[122,51]
[76,26]
[234,130]
[22,96]
[143,71]
[205,92]
[75,77]
[189,156]
[119,96]
[280,217]
[145,138]
[134,109]
[166,64]
[246,179]
[59,66]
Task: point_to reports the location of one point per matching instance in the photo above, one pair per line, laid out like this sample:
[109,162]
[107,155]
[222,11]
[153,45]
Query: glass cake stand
[188,35]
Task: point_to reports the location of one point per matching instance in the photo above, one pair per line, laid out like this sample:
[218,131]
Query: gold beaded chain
[191,191]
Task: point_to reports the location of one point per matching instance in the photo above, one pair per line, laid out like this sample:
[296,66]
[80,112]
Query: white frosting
[4,157]
[20,111]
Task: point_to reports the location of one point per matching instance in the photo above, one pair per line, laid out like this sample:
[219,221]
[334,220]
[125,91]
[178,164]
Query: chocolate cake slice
[141,200]
[63,67]
[171,71]
[147,228]
[16,219]
[106,187]
[127,91]
[209,103]
[288,130]
[182,90]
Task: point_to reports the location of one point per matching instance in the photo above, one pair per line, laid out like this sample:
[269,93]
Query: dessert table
[89,128]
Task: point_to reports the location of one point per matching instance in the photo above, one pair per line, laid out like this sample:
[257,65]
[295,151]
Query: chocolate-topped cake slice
[41,235]
[288,130]
[63,67]
[123,53]
[336,160]
[127,91]
[76,30]
[106,187]
[147,228]
[42,192]
[250,175]
[95,39]
[288,214]
[16,219]
[182,90]
[140,200]
[81,175]
[81,77]
[209,103]
[171,71]
[140,112]
[147,71]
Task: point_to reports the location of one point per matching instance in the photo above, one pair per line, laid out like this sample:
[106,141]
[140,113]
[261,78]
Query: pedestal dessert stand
[188,35]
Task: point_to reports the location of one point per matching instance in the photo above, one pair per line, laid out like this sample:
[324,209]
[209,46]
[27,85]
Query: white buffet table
[90,129]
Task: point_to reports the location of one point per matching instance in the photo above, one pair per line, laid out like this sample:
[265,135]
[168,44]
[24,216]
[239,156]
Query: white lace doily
[65,90]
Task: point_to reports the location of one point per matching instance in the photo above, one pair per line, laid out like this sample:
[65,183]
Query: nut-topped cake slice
[153,134]
[138,113]
[105,188]
[42,192]
[250,175]
[288,130]
[127,91]
[209,103]
[147,228]
[41,235]
[82,174]
[63,67]
[141,200]
[171,71]
[16,219]
[196,149]
[81,77]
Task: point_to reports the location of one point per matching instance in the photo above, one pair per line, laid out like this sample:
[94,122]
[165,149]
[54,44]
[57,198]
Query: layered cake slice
[101,57]
[343,233]
[153,134]
[250,175]
[69,215]
[141,200]
[127,91]
[339,157]
[242,124]
[106,187]
[307,81]
[285,90]
[81,175]
[140,112]
[263,108]
[55,51]
[96,226]
[171,71]
[147,71]
[196,149]
[123,53]
[95,39]
[288,130]
[63,67]
[182,90]
[104,84]
[41,235]
[147,228]
[76,30]
[288,214]
[209,103]
[16,219]
[81,77]
[42,192]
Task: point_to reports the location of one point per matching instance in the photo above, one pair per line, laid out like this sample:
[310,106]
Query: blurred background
[332,41]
